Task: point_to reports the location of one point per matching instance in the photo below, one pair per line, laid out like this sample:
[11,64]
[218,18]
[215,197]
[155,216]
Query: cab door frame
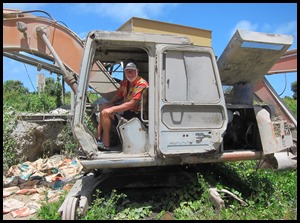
[192,115]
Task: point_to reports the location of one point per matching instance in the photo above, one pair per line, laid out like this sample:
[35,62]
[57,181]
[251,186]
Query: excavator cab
[186,112]
[188,119]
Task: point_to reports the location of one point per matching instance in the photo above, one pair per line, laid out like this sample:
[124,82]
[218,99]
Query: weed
[9,120]
[102,208]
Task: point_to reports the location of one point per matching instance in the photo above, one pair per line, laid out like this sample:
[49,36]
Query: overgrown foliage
[268,194]
[49,211]
[29,102]
[292,104]
[294,89]
[17,98]
[11,86]
[9,120]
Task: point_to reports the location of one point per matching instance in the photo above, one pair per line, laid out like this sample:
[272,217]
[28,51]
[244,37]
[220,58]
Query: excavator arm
[264,91]
[286,64]
[22,32]
[34,40]
[244,64]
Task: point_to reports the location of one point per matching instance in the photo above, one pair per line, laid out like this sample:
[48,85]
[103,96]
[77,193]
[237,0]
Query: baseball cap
[130,66]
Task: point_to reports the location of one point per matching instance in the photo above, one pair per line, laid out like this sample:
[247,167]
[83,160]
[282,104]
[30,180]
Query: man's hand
[107,111]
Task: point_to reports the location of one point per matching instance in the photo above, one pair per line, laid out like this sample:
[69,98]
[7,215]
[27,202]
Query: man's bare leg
[106,122]
[99,129]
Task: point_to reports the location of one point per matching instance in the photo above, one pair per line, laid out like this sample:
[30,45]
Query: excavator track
[81,196]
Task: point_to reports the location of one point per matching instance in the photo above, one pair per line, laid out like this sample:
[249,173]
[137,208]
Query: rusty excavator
[200,109]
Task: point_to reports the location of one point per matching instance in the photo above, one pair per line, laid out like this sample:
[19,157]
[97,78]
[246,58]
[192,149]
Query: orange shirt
[134,91]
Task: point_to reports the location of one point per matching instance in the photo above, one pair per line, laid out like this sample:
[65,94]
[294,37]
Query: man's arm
[121,108]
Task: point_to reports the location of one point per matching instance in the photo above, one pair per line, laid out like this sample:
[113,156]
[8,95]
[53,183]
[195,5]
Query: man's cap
[130,66]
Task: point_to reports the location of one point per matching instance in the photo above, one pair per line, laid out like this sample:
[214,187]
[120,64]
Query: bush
[9,121]
[292,104]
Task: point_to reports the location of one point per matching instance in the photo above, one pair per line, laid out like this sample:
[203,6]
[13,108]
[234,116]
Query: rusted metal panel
[286,64]
[67,44]
[265,92]
[268,137]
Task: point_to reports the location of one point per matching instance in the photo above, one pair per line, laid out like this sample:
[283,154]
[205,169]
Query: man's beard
[133,78]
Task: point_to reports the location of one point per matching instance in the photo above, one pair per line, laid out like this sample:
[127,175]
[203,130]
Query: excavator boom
[47,39]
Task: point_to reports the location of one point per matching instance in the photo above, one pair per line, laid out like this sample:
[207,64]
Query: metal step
[118,159]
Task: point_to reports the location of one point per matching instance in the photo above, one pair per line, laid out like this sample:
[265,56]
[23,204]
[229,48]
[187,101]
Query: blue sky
[221,18]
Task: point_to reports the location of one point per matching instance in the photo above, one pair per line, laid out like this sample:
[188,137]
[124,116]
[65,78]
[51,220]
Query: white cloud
[124,11]
[290,27]
[244,25]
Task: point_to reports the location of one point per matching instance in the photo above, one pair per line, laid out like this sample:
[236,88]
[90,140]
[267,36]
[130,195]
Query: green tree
[14,86]
[16,96]
[50,86]
[14,93]
[291,103]
[58,92]
[294,89]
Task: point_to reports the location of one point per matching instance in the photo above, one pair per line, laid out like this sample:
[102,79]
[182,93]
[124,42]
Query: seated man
[130,91]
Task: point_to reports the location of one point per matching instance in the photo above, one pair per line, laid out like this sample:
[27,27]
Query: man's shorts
[131,114]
